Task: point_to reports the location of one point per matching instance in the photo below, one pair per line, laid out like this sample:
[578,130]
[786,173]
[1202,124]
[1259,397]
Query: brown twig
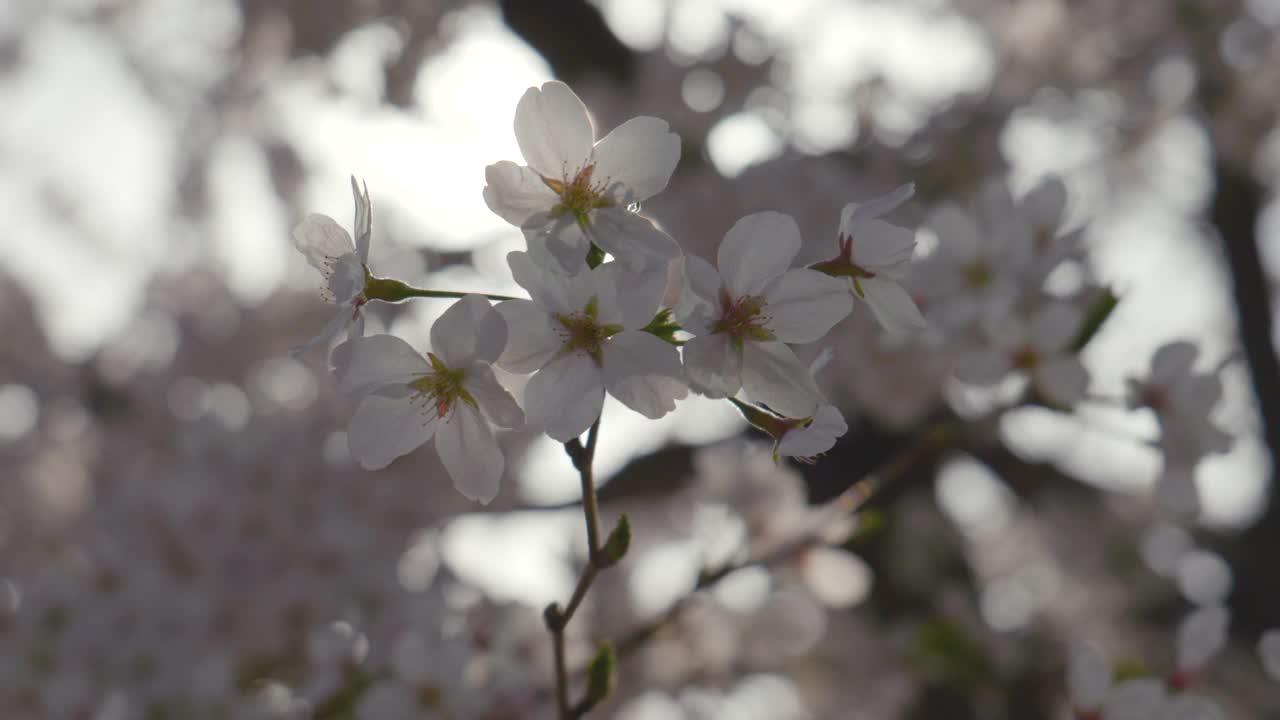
[557,619]
[850,501]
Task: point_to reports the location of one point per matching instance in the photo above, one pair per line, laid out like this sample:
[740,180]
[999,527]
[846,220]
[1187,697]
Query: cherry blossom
[1182,400]
[874,256]
[344,265]
[1039,347]
[574,191]
[582,335]
[1094,696]
[743,315]
[802,438]
[406,398]
[975,275]
[1201,636]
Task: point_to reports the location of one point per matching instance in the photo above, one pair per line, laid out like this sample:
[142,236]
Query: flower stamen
[579,196]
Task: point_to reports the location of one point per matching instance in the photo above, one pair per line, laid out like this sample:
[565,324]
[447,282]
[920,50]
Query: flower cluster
[614,306]
[1096,696]
[1182,400]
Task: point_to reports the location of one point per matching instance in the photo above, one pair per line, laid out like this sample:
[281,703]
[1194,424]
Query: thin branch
[853,499]
[557,620]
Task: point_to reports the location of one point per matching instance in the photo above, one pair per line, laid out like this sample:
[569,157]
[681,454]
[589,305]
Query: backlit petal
[773,375]
[631,238]
[469,331]
[713,365]
[803,305]
[469,452]
[384,428]
[365,364]
[515,193]
[565,397]
[363,226]
[494,400]
[322,241]
[553,130]
[643,372]
[639,155]
[855,214]
[531,340]
[892,305]
[757,249]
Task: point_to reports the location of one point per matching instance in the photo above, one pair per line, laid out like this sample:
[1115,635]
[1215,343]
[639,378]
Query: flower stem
[394,291]
[556,618]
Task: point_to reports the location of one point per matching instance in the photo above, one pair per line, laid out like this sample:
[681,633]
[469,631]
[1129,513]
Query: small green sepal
[599,678]
[618,542]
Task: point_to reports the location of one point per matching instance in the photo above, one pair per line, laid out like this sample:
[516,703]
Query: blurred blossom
[1269,652]
[19,412]
[1204,577]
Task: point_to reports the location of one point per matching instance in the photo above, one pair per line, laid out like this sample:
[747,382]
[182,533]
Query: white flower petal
[495,401]
[631,238]
[639,155]
[757,249]
[1088,677]
[363,226]
[713,365]
[470,454]
[515,193]
[553,130]
[335,325]
[892,305]
[1202,635]
[1062,380]
[346,282]
[469,331]
[561,246]
[322,241]
[854,214]
[365,364]
[803,305]
[643,372]
[636,294]
[1054,326]
[817,437]
[565,397]
[1137,699]
[882,248]
[385,427]
[357,325]
[700,300]
[531,339]
[773,375]
[551,290]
